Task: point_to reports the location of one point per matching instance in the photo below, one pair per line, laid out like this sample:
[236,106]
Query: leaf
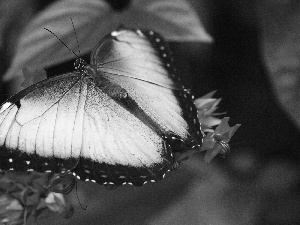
[32,77]
[57,203]
[206,107]
[37,48]
[10,209]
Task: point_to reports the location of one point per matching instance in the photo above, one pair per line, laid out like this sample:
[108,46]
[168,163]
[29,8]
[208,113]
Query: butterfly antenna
[75,35]
[61,41]
[83,208]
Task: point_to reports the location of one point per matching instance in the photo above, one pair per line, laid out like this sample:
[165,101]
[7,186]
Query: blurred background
[254,63]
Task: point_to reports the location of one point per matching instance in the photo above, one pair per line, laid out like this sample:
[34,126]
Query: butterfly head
[80,65]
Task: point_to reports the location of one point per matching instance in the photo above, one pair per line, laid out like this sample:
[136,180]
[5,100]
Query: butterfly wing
[141,63]
[30,129]
[70,123]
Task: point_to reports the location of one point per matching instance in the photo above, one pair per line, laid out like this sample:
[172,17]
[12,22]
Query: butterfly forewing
[141,63]
[125,53]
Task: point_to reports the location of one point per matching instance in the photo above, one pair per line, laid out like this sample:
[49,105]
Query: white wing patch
[7,117]
[73,118]
[121,137]
[138,60]
[5,106]
[45,133]
[134,57]
[157,102]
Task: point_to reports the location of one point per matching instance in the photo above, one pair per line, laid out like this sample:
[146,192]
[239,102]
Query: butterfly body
[116,120]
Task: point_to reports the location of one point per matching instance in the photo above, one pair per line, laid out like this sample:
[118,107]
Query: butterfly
[122,119]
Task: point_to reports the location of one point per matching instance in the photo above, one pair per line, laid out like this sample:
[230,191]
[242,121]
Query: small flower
[214,141]
[57,203]
[206,106]
[217,141]
[11,210]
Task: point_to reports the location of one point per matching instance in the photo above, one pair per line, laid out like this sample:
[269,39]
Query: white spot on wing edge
[140,33]
[5,106]
[117,33]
